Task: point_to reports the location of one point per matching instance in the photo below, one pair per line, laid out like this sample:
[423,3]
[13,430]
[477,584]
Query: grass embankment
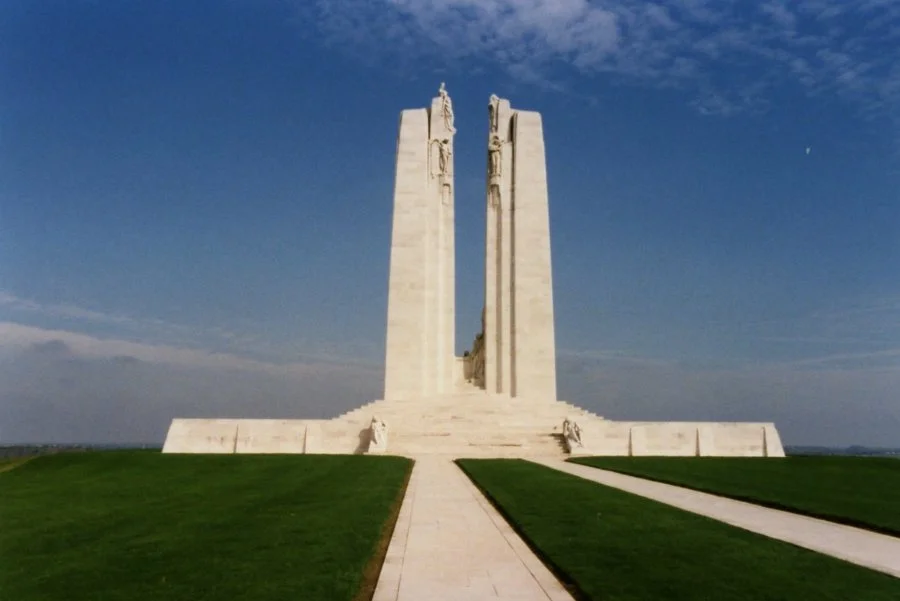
[614,546]
[136,525]
[859,491]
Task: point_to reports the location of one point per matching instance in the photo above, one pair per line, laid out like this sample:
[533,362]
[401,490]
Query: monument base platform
[473,424]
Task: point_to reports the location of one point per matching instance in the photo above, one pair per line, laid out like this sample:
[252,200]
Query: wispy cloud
[60,386]
[17,303]
[158,333]
[833,405]
[18,337]
[868,326]
[725,55]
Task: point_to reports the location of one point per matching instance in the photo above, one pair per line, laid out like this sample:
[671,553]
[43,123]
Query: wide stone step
[473,438]
[471,412]
[476,451]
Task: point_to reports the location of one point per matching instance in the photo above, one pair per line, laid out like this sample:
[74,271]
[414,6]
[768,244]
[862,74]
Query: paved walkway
[450,544]
[870,549]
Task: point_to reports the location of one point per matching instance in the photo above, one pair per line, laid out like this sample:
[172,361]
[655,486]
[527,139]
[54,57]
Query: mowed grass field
[138,525]
[613,546]
[859,491]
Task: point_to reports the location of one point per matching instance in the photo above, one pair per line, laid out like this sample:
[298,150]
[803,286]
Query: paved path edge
[865,548]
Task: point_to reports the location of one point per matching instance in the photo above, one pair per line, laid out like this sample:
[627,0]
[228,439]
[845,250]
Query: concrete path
[870,549]
[450,544]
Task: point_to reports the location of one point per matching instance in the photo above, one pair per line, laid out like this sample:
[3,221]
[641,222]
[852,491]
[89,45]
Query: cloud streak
[57,386]
[725,55]
[18,337]
[158,333]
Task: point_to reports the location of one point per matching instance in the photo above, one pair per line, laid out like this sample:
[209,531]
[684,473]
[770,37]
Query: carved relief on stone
[494,114]
[440,158]
[495,166]
[444,154]
[446,108]
[495,155]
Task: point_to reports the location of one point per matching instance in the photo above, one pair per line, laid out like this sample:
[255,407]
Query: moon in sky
[808,148]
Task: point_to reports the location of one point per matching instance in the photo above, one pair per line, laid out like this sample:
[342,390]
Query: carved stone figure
[495,151]
[377,435]
[493,113]
[572,433]
[444,154]
[440,159]
[446,108]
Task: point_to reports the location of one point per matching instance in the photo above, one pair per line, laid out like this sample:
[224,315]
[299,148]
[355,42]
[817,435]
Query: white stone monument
[419,358]
[519,342]
[500,399]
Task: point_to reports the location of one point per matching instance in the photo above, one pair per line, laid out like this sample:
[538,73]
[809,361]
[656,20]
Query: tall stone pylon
[420,342]
[519,339]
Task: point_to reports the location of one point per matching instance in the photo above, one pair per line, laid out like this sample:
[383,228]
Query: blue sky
[195,204]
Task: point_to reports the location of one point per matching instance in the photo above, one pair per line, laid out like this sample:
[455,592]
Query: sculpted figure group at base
[572,434]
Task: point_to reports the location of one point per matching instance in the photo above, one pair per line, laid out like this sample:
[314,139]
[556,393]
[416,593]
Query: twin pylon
[514,354]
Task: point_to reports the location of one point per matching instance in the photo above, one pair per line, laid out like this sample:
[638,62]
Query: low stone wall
[265,436]
[201,436]
[600,437]
[681,439]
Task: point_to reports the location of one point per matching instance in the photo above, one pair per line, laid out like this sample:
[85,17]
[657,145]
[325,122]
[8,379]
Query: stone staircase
[469,423]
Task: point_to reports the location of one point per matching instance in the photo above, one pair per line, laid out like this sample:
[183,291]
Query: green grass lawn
[614,546]
[11,463]
[860,491]
[134,525]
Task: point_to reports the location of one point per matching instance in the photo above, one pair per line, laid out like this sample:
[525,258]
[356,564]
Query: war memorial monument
[499,400]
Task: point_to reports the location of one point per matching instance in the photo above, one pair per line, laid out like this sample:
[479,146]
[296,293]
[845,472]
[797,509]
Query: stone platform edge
[601,438]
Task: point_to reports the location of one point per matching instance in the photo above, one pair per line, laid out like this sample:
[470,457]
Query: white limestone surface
[451,544]
[681,439]
[408,328]
[862,547]
[288,436]
[201,436]
[270,436]
[520,351]
[472,424]
[420,342]
[498,252]
[533,343]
